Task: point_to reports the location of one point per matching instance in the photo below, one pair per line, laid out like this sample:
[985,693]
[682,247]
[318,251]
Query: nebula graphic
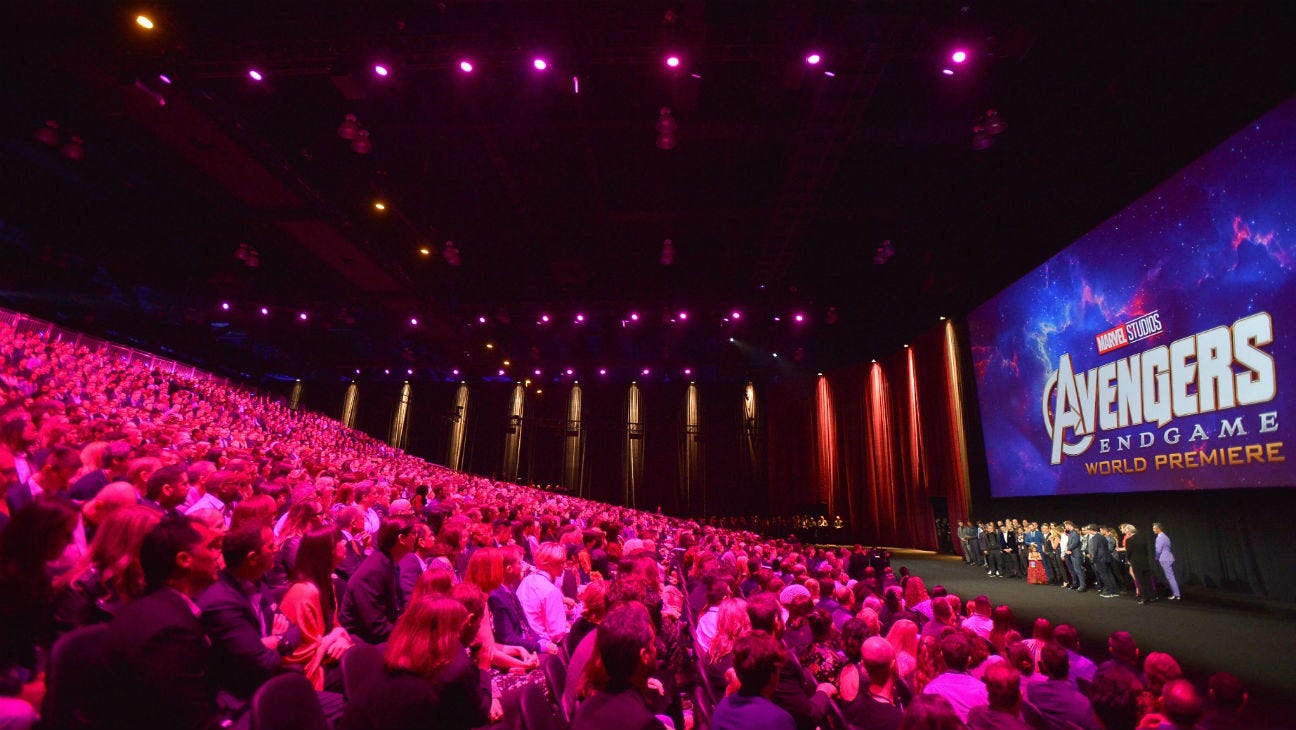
[1209,246]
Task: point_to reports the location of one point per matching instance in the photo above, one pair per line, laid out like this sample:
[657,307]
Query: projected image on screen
[1159,351]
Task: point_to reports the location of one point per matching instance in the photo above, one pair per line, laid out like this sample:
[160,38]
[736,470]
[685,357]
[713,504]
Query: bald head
[1181,703]
[879,659]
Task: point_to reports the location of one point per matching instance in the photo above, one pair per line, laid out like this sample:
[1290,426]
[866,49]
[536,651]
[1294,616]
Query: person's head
[1181,703]
[181,553]
[1160,668]
[955,651]
[1003,685]
[37,534]
[111,498]
[248,550]
[437,579]
[224,485]
[486,568]
[513,556]
[593,598]
[115,550]
[915,591]
[259,509]
[1114,696]
[758,657]
[853,634]
[1122,647]
[1156,527]
[1067,636]
[474,601]
[981,606]
[318,554]
[930,712]
[60,466]
[625,645]
[1229,692]
[551,558]
[765,613]
[1019,656]
[903,636]
[427,635]
[1055,661]
[878,656]
[395,537]
[1042,630]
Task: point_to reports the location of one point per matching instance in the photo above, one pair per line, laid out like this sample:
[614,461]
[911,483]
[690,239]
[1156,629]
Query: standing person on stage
[1101,557]
[1166,558]
[1140,560]
[992,544]
[1008,536]
[1073,557]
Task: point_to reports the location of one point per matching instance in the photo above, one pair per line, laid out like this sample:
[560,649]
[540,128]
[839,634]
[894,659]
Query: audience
[757,659]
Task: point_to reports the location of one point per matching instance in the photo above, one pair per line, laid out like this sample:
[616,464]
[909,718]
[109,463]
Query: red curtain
[877,442]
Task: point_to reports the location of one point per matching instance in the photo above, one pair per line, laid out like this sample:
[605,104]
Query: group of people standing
[1071,556]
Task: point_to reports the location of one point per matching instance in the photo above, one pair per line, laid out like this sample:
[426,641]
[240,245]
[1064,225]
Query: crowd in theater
[178,553]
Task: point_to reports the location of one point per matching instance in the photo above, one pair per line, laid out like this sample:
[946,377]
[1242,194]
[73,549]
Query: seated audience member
[1018,656]
[1125,653]
[1230,698]
[823,658]
[372,601]
[757,658]
[931,712]
[929,662]
[428,679]
[239,616]
[415,561]
[942,617]
[732,623]
[717,591]
[1115,698]
[1082,667]
[351,523]
[160,655]
[807,704]
[955,684]
[311,604]
[870,692]
[903,637]
[1158,668]
[507,614]
[594,608]
[37,534]
[115,460]
[1003,687]
[978,620]
[541,598]
[616,683]
[108,576]
[1057,700]
[1181,707]
[302,517]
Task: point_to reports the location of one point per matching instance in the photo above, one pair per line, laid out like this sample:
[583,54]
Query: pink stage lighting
[455,371]
[569,371]
[602,371]
[947,71]
[813,59]
[164,79]
[386,371]
[380,69]
[255,75]
[537,372]
[410,371]
[414,321]
[303,317]
[540,64]
[265,312]
[481,320]
[466,66]
[225,306]
[634,316]
[646,371]
[735,314]
[799,318]
[688,371]
[580,318]
[959,56]
[357,371]
[673,61]
[683,316]
[544,318]
[501,372]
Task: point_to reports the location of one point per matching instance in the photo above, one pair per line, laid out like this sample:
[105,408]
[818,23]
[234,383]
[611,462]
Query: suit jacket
[1136,552]
[625,708]
[17,496]
[1058,702]
[85,488]
[511,626]
[161,659]
[240,662]
[457,698]
[372,602]
[1100,551]
[993,540]
[795,694]
[751,712]
[351,562]
[1071,541]
[1009,540]
[408,571]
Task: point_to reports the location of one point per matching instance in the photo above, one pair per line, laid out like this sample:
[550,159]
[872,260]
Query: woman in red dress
[1035,573]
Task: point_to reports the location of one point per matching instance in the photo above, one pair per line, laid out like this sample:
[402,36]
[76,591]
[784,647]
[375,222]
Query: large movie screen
[1155,353]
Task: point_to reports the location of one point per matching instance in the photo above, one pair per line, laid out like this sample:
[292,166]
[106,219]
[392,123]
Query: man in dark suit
[238,614]
[807,705]
[1008,537]
[626,645]
[1057,700]
[52,478]
[993,547]
[1139,555]
[372,601]
[167,488]
[511,626]
[351,523]
[158,650]
[1102,558]
[1074,556]
[116,462]
[757,657]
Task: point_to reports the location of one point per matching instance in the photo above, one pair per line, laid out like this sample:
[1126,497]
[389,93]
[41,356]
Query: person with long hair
[109,575]
[303,517]
[903,638]
[930,663]
[1003,622]
[822,658]
[916,597]
[36,535]
[311,604]
[731,623]
[428,680]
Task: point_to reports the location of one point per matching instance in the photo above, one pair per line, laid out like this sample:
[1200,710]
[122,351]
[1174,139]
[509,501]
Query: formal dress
[1035,573]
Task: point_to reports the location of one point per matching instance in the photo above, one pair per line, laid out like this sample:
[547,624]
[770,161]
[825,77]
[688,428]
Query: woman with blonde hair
[731,623]
[108,576]
[903,637]
[428,679]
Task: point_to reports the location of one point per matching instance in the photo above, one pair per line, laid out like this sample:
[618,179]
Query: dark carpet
[1205,636]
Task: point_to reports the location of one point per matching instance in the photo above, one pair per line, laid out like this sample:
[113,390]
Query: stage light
[688,371]
[481,320]
[731,339]
[569,371]
[778,319]
[507,363]
[947,71]
[357,371]
[380,206]
[799,317]
[302,316]
[455,371]
[164,79]
[813,59]
[830,74]
[501,372]
[544,318]
[380,69]
[144,22]
[265,312]
[410,371]
[673,61]
[414,321]
[255,75]
[735,314]
[634,316]
[906,347]
[776,354]
[537,372]
[225,306]
[942,319]
[580,318]
[602,371]
[683,316]
[425,251]
[646,371]
[959,56]
[540,64]
[575,84]
[539,391]
[490,346]
[386,371]
[466,66]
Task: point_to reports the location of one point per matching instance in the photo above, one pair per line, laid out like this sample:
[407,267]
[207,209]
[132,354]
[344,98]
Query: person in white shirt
[541,598]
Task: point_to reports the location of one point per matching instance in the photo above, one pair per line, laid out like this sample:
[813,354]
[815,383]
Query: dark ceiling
[785,182]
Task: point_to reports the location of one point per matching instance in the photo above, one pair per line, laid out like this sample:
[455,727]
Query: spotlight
[225,306]
[506,363]
[490,346]
[425,251]
[413,321]
[144,22]
[466,66]
[455,371]
[688,371]
[830,74]
[380,206]
[683,316]
[947,71]
[602,371]
[501,372]
[537,372]
[544,318]
[731,339]
[386,371]
[959,56]
[735,314]
[303,316]
[813,59]
[580,318]
[776,354]
[255,75]
[646,371]
[357,371]
[410,371]
[380,69]
[164,79]
[569,371]
[540,64]
[634,316]
[673,61]
[265,312]
[481,320]
[799,317]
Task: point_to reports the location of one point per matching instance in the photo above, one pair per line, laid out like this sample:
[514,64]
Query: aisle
[1202,637]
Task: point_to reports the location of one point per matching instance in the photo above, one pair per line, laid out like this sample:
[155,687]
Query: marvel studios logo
[1129,333]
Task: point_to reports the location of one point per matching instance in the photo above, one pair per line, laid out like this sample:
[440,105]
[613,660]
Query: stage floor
[1203,637]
